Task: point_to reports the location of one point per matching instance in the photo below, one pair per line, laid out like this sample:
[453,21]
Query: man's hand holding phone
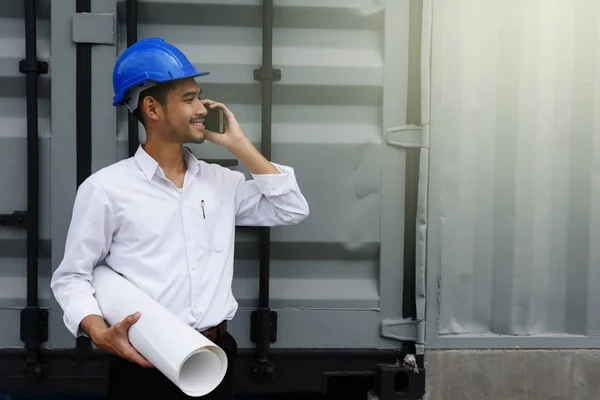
[232,134]
[234,140]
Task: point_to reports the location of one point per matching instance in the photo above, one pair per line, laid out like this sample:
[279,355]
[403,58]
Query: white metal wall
[514,195]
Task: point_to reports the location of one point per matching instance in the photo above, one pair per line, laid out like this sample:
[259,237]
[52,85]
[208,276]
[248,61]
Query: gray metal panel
[393,175]
[64,124]
[422,116]
[63,152]
[13,267]
[9,331]
[13,163]
[11,289]
[328,109]
[104,114]
[13,183]
[321,329]
[512,257]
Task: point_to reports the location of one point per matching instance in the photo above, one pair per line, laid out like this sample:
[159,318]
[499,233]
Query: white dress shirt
[175,245]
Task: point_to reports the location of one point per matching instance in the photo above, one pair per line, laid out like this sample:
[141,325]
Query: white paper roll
[185,356]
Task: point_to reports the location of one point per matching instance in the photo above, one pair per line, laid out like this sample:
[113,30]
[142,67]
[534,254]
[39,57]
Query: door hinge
[408,136]
[34,326]
[39,67]
[405,330]
[263,321]
[17,219]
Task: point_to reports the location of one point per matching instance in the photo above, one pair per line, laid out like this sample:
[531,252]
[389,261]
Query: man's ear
[151,108]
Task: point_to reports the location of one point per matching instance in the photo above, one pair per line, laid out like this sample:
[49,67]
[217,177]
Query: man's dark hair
[160,91]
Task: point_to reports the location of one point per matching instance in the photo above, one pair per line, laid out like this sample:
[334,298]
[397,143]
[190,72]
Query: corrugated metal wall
[514,191]
[13,164]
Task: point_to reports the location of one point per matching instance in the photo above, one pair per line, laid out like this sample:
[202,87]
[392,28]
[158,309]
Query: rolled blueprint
[185,356]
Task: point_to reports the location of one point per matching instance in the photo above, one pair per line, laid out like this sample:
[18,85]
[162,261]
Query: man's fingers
[215,104]
[129,320]
[137,358]
[210,136]
[222,106]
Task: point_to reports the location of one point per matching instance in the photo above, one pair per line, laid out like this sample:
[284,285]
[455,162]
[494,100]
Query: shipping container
[313,84]
[447,151]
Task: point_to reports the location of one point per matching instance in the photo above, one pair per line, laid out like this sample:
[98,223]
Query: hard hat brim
[145,80]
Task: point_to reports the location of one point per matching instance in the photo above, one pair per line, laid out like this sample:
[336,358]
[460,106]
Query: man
[166,221]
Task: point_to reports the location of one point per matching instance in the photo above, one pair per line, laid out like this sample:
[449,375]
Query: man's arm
[249,155]
[88,241]
[92,325]
[273,196]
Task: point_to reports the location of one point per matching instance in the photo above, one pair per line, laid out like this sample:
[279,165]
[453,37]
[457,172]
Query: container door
[343,88]
[339,115]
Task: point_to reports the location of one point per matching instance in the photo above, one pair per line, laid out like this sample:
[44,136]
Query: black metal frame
[83,121]
[263,321]
[132,26]
[34,320]
[344,374]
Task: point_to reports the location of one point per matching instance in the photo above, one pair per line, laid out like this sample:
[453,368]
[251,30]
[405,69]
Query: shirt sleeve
[88,241]
[270,199]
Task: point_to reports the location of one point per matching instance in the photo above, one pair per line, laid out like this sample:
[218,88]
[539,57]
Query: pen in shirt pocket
[203,213]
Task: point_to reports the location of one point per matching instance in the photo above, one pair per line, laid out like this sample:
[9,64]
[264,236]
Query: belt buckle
[212,333]
[209,334]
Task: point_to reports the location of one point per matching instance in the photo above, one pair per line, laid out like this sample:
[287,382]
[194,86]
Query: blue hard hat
[149,60]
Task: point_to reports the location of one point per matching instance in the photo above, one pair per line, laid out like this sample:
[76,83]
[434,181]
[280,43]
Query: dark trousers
[129,381]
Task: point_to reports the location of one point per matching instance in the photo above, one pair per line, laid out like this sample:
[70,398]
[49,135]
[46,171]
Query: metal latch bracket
[405,330]
[408,136]
[94,28]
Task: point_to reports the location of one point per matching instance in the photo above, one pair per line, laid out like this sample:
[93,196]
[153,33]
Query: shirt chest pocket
[212,222]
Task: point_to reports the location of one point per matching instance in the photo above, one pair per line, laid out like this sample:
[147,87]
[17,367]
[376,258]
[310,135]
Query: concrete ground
[512,374]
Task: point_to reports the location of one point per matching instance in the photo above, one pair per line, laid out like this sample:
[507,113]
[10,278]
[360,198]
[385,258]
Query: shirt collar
[192,163]
[149,165]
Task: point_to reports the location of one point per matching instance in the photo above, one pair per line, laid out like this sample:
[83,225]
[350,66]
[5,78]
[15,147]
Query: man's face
[184,113]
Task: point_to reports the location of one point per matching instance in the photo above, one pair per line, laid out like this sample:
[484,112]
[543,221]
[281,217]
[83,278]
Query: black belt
[215,332]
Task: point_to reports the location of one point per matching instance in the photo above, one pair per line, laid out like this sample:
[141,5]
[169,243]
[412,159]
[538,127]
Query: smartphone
[215,120]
